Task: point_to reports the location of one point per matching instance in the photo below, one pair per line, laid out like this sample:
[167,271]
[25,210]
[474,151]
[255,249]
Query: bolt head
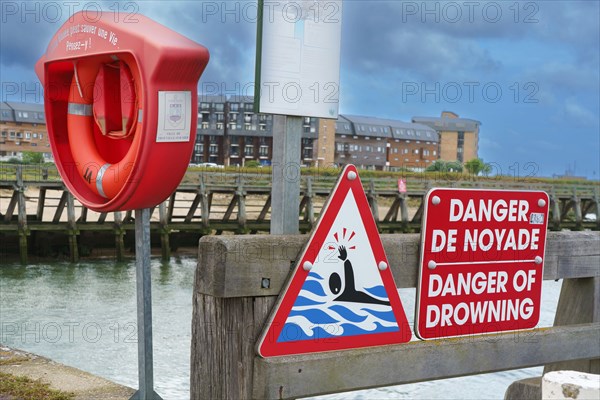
[382,265]
[307,265]
[436,200]
[352,175]
[542,203]
[538,260]
[431,264]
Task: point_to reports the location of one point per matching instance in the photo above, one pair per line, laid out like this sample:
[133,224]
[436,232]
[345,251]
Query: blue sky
[528,70]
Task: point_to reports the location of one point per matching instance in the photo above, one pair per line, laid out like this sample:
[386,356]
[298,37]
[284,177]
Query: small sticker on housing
[536,219]
[174,116]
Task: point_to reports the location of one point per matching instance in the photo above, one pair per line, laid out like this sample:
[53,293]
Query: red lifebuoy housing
[121,103]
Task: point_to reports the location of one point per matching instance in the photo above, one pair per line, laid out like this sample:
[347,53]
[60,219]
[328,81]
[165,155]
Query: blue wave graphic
[347,314]
[314,316]
[315,275]
[292,332]
[384,315]
[313,287]
[378,291]
[302,301]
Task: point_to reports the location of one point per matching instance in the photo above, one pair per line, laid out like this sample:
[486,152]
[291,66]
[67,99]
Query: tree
[252,164]
[30,157]
[445,166]
[477,166]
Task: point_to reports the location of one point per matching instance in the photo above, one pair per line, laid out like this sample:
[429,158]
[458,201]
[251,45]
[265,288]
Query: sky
[529,71]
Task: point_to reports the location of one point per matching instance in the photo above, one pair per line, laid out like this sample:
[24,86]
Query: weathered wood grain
[235,266]
[307,375]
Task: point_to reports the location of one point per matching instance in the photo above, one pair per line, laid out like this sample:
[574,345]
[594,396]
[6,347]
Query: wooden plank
[333,372]
[578,304]
[11,206]
[234,266]
[40,206]
[60,207]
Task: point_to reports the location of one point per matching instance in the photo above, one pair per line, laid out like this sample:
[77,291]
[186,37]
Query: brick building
[232,119]
[384,144]
[459,137]
[22,129]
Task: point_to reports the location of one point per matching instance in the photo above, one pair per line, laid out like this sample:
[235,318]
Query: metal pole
[144,307]
[285,192]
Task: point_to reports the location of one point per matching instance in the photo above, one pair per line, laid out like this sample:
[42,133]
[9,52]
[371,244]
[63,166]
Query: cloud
[579,114]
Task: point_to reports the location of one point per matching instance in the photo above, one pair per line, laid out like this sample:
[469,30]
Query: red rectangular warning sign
[482,259]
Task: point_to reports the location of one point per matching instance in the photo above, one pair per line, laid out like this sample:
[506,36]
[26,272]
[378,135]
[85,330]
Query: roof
[448,124]
[381,127]
[22,112]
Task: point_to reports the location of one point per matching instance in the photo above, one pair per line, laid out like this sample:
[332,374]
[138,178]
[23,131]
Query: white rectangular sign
[298,57]
[174,116]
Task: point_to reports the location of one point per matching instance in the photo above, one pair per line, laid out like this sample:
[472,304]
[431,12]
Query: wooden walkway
[35,208]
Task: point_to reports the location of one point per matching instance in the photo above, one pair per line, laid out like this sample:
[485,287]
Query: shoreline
[84,385]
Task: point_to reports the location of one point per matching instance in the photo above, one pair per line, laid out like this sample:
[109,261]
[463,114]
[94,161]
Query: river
[84,315]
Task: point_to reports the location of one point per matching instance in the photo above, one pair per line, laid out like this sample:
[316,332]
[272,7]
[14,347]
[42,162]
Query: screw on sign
[482,259]
[120,101]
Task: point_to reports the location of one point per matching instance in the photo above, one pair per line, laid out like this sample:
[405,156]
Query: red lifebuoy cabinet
[121,108]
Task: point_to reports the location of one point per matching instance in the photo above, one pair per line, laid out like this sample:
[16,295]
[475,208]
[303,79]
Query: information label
[174,116]
[482,260]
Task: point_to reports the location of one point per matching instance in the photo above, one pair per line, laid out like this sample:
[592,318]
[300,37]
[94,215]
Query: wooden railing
[238,279]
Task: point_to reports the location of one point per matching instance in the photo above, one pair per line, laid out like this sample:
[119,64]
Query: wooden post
[241,203]
[204,206]
[579,303]
[577,209]
[556,217]
[164,232]
[119,233]
[404,212]
[372,198]
[22,216]
[310,210]
[40,206]
[73,232]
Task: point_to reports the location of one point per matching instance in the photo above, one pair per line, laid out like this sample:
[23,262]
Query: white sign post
[297,75]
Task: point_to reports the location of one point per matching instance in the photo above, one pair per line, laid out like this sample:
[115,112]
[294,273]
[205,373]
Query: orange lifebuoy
[97,77]
[88,90]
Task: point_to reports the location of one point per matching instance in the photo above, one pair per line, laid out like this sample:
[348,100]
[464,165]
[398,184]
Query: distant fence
[238,279]
[35,204]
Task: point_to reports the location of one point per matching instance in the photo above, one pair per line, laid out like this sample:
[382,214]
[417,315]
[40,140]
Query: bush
[30,157]
[252,164]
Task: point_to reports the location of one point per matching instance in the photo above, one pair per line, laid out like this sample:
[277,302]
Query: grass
[23,388]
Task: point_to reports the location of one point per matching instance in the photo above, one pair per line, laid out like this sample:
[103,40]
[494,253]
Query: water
[84,315]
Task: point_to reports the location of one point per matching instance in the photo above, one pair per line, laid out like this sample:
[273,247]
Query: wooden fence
[238,279]
[34,203]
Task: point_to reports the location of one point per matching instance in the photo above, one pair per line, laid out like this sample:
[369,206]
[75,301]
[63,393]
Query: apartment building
[459,137]
[231,133]
[22,129]
[384,144]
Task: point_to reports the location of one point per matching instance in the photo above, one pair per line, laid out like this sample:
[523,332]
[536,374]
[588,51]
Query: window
[5,114]
[35,135]
[249,150]
[405,151]
[213,149]
[435,153]
[425,152]
[19,135]
[41,135]
[368,148]
[204,106]
[416,151]
[219,125]
[199,148]
[204,125]
[4,133]
[27,135]
[219,107]
[234,107]
[212,139]
[263,151]
[220,117]
[234,150]
[379,149]
[339,147]
[247,126]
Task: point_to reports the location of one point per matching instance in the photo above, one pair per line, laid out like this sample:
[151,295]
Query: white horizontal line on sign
[483,262]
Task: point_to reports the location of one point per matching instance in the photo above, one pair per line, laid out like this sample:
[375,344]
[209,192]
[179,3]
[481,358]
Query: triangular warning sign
[341,294]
